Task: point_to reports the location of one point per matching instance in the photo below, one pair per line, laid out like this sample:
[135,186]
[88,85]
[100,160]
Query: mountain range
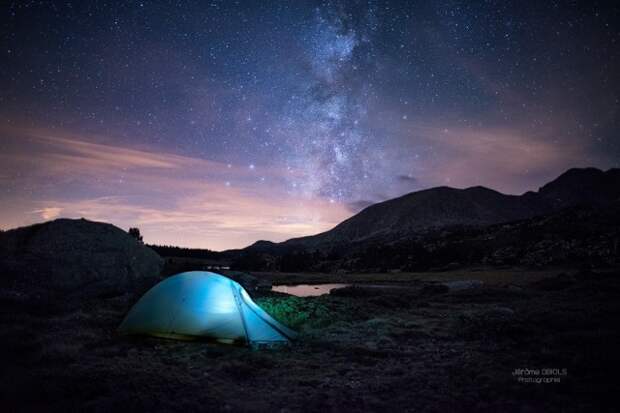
[425,213]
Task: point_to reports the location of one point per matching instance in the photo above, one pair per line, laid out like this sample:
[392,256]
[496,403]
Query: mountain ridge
[443,206]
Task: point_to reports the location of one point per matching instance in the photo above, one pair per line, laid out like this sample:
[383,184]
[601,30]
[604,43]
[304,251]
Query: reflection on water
[307,290]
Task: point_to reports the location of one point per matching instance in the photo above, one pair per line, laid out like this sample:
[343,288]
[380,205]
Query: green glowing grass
[296,312]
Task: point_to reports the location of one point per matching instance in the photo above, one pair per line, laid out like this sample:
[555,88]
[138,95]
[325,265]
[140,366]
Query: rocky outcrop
[75,256]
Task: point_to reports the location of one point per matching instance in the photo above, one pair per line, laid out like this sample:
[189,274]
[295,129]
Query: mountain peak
[444,206]
[573,175]
[583,185]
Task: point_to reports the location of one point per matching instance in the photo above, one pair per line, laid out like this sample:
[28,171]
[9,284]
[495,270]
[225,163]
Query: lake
[307,290]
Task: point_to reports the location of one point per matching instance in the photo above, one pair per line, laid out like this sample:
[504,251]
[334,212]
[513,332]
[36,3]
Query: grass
[357,352]
[297,312]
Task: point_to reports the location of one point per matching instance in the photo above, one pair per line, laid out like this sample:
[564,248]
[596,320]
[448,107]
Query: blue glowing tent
[200,304]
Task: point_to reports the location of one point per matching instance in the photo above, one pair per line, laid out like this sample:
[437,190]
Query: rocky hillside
[589,186]
[74,256]
[582,236]
[441,207]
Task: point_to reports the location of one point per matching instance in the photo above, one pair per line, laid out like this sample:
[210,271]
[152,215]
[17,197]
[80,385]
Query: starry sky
[217,123]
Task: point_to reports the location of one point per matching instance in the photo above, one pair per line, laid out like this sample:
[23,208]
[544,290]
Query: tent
[203,305]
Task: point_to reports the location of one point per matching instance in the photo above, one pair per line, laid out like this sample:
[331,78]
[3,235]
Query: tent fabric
[200,304]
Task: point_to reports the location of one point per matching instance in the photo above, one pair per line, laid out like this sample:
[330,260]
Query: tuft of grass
[297,312]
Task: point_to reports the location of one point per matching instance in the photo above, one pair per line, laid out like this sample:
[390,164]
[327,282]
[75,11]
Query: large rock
[75,256]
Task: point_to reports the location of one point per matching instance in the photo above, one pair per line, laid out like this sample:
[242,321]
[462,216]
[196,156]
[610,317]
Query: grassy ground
[422,348]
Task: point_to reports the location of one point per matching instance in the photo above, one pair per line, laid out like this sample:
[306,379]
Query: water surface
[307,290]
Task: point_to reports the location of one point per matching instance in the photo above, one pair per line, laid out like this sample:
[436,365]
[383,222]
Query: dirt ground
[536,341]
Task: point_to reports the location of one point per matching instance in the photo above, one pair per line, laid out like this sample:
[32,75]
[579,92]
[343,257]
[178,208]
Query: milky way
[216,124]
[324,124]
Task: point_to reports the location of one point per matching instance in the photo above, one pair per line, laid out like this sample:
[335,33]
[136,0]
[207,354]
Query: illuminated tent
[199,304]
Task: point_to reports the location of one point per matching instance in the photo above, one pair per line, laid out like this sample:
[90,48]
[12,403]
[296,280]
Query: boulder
[75,256]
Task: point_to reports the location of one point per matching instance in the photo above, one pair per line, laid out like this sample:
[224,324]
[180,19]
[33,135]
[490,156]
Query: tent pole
[270,324]
[240,310]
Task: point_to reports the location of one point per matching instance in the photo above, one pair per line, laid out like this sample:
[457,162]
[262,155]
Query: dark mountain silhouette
[443,207]
[587,186]
[580,236]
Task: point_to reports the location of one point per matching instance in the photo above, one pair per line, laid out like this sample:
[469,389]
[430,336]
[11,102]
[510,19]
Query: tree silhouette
[135,232]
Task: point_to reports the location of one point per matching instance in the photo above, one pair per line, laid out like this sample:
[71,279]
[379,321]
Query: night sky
[215,124]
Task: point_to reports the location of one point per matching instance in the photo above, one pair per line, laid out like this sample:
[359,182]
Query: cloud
[509,159]
[406,178]
[503,159]
[228,219]
[48,213]
[64,152]
[173,199]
